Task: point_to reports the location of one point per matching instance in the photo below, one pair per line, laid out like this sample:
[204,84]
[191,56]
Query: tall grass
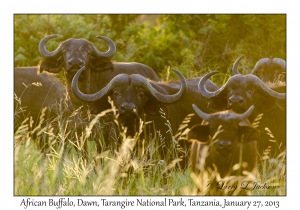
[68,164]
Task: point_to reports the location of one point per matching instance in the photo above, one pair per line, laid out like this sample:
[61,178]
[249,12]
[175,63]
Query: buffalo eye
[230,91]
[252,91]
[141,95]
[88,53]
[116,93]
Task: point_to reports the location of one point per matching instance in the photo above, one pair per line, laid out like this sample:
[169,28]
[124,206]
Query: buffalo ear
[52,65]
[154,108]
[248,134]
[200,133]
[101,64]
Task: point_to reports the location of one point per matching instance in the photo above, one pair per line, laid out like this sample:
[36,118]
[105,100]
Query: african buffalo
[167,104]
[72,54]
[133,96]
[270,70]
[242,91]
[34,91]
[222,140]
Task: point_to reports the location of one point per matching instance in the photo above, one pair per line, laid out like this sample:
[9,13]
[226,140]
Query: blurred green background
[193,44]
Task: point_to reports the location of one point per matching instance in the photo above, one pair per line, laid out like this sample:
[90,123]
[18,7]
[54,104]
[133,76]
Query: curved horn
[42,47]
[111,50]
[232,116]
[264,89]
[200,113]
[141,81]
[244,115]
[280,62]
[235,66]
[119,79]
[202,88]
[261,62]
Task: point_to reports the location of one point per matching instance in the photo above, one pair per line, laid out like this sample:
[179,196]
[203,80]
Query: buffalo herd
[244,119]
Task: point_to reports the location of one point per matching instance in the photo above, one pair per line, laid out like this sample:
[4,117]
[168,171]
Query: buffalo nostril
[224,144]
[228,144]
[236,100]
[133,108]
[122,108]
[76,61]
[128,108]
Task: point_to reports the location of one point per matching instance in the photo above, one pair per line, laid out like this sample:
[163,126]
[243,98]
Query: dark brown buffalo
[167,104]
[242,91]
[134,96]
[72,54]
[270,70]
[222,140]
[34,91]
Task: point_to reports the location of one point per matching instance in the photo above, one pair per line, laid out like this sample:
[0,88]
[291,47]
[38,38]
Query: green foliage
[194,44]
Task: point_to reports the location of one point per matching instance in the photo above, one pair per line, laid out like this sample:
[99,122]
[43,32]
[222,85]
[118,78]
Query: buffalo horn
[267,61]
[202,88]
[200,113]
[42,47]
[167,99]
[137,80]
[264,89]
[244,115]
[260,63]
[280,62]
[98,95]
[261,85]
[111,50]
[233,116]
[235,66]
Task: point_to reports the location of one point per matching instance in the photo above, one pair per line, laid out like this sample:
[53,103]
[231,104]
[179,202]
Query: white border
[8,8]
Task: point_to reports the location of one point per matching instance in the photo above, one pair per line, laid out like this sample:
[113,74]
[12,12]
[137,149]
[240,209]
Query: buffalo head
[71,55]
[270,70]
[223,132]
[242,91]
